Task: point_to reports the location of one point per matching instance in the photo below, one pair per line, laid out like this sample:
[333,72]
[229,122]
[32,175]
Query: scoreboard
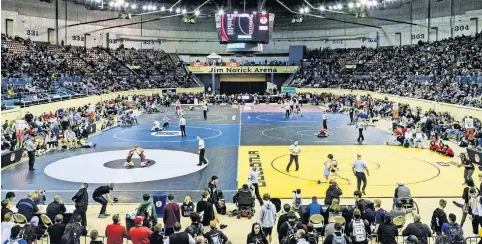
[243,27]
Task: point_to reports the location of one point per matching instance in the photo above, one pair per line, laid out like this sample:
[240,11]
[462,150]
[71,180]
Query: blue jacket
[314,208]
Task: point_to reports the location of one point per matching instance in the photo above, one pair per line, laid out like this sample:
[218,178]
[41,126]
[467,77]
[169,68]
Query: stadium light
[170,10]
[111,4]
[221,11]
[358,5]
[184,11]
[254,12]
[163,8]
[339,6]
[126,5]
[322,8]
[351,5]
[178,10]
[197,12]
[302,10]
[374,3]
[264,12]
[154,7]
[330,7]
[363,2]
[151,8]
[144,7]
[307,10]
[134,6]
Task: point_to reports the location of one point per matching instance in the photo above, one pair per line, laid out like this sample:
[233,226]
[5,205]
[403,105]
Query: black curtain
[228,87]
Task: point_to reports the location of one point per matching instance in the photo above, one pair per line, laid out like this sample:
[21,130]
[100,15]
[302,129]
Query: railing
[292,76]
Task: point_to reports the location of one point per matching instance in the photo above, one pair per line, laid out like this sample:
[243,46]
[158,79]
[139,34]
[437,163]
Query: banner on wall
[241,69]
[290,90]
[233,64]
[196,64]
[395,110]
[20,124]
[469,123]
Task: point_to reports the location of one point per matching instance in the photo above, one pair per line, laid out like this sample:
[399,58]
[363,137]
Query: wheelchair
[408,203]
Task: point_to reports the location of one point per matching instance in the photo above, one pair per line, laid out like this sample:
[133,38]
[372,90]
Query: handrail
[292,76]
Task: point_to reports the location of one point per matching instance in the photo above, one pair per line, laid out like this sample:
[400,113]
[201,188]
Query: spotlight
[197,12]
[264,12]
[374,3]
[154,8]
[322,8]
[302,10]
[307,10]
[111,4]
[339,6]
[351,5]
[170,10]
[184,11]
[235,12]
[178,10]
[221,11]
[254,12]
[330,7]
[363,2]
[144,7]
[133,6]
[126,5]
[119,3]
[150,8]
[163,8]
[358,5]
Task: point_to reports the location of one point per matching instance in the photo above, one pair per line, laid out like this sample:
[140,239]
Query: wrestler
[139,151]
[322,133]
[156,126]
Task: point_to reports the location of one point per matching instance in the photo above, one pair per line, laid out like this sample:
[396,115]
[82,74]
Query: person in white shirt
[157,126]
[325,120]
[202,151]
[182,125]
[205,111]
[294,152]
[408,138]
[420,139]
[359,168]
[253,180]
[291,106]
[360,125]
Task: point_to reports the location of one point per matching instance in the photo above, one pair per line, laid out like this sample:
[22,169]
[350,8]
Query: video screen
[243,27]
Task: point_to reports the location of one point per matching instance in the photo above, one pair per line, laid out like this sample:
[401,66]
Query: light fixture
[150,8]
[170,10]
[221,11]
[111,4]
[126,5]
[254,12]
[302,10]
[184,11]
[351,5]
[144,7]
[154,7]
[178,10]
[330,7]
[363,2]
[322,8]
[374,3]
[197,12]
[134,6]
[119,3]
[235,12]
[358,5]
[163,8]
[264,12]
[339,6]
[307,10]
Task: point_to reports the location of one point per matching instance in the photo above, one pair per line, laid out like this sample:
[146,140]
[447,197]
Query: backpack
[196,230]
[291,234]
[454,235]
[215,238]
[312,239]
[13,241]
[71,234]
[359,234]
[146,212]
[338,239]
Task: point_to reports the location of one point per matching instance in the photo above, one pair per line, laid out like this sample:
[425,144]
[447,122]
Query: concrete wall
[33,16]
[456,110]
[18,112]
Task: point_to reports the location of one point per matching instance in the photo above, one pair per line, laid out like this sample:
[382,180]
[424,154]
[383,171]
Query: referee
[202,150]
[359,168]
[205,111]
[30,146]
[325,121]
[253,180]
[294,151]
[182,125]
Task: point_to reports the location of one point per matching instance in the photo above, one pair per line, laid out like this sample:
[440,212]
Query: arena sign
[242,69]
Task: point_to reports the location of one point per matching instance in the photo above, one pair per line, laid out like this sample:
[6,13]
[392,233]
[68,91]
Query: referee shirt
[253,177]
[30,145]
[325,117]
[201,144]
[182,121]
[359,166]
[295,149]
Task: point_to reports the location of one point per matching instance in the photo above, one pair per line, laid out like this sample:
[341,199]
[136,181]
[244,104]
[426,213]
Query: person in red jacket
[448,151]
[139,234]
[440,148]
[115,232]
[433,146]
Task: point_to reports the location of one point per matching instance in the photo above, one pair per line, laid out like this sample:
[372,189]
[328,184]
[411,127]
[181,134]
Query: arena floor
[233,136]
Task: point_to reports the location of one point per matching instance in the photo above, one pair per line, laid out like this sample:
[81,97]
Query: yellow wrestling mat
[417,168]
